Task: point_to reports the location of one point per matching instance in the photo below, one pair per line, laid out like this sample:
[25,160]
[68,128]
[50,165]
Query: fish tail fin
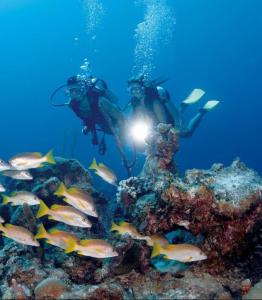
[93,165]
[5,199]
[114,227]
[43,210]
[71,246]
[41,233]
[50,157]
[156,250]
[61,190]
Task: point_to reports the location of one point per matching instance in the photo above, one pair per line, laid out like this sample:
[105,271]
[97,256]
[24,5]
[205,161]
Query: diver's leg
[193,124]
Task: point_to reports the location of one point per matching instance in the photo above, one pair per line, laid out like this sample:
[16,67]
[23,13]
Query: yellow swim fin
[195,96]
[210,105]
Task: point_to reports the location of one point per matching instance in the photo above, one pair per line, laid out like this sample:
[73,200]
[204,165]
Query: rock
[50,288]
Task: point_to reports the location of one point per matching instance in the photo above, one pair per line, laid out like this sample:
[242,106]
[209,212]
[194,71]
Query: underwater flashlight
[140,131]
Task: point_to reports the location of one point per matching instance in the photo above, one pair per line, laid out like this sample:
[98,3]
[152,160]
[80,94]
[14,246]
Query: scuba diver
[150,101]
[95,105]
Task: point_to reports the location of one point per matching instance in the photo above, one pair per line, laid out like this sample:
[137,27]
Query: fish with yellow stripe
[65,214]
[92,248]
[127,228]
[31,160]
[181,252]
[21,197]
[78,198]
[55,236]
[104,172]
[157,238]
[19,234]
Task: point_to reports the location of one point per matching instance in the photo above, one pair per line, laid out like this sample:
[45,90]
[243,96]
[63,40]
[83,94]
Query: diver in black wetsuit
[95,105]
[150,101]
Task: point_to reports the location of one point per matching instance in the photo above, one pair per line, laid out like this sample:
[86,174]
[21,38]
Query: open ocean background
[215,45]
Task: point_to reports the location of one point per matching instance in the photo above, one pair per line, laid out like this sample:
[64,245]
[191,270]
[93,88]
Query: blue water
[216,46]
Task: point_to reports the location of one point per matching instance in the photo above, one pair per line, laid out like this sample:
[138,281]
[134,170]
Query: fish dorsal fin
[124,223]
[85,242]
[10,226]
[53,230]
[37,154]
[73,189]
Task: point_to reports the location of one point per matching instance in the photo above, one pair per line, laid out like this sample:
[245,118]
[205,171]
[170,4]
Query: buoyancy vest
[152,94]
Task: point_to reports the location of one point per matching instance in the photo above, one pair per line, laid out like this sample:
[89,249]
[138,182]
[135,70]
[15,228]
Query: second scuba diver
[151,102]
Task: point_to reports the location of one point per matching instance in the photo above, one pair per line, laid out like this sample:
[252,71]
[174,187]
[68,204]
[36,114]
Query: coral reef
[222,203]
[219,210]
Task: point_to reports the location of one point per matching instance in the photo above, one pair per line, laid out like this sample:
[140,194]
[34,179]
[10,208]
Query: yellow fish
[127,228]
[66,214]
[93,248]
[104,172]
[55,237]
[78,198]
[19,234]
[21,197]
[180,252]
[157,238]
[31,160]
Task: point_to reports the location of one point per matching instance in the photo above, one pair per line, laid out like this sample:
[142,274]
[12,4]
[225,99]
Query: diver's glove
[85,130]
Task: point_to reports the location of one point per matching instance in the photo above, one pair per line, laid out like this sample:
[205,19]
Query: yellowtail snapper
[78,198]
[93,248]
[66,214]
[19,234]
[31,160]
[55,236]
[21,197]
[104,172]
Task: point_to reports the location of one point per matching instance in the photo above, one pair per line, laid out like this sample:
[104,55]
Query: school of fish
[80,204]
